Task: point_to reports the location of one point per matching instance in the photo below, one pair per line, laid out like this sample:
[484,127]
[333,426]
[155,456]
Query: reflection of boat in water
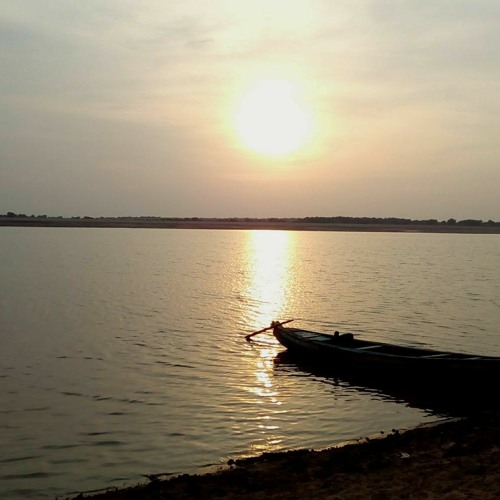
[441,380]
[433,400]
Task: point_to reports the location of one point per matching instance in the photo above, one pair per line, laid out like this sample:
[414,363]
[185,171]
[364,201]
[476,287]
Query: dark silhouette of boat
[442,377]
[347,351]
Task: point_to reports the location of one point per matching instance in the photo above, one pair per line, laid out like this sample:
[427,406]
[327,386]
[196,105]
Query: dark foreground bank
[455,460]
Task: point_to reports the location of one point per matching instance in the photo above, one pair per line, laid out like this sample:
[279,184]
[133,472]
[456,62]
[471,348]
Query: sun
[270,119]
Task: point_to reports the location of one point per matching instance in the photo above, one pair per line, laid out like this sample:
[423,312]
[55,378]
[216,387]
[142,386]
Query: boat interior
[347,340]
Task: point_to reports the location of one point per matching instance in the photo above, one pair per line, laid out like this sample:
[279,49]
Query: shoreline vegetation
[452,459]
[339,223]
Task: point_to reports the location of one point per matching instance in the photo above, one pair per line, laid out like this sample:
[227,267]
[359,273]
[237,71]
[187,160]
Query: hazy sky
[156,107]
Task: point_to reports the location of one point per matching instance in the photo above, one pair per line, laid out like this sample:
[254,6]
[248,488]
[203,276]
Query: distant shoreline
[241,224]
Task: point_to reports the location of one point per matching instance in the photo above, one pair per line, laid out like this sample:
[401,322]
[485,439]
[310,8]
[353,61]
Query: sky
[262,108]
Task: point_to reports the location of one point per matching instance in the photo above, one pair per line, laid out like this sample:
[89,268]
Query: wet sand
[456,459]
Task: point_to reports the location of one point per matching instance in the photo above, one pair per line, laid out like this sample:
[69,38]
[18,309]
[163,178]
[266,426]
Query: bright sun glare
[270,119]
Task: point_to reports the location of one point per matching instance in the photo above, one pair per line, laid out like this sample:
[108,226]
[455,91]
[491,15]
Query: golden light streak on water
[268,433]
[269,255]
[268,258]
[262,371]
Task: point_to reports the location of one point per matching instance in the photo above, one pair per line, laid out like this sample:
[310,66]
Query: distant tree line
[12,214]
[396,221]
[305,220]
[24,216]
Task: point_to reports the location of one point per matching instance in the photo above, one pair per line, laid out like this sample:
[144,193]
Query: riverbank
[249,224]
[455,459]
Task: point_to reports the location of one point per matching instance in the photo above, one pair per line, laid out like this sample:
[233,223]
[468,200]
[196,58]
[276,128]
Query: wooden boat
[347,353]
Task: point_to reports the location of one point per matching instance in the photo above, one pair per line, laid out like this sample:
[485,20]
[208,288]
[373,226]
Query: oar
[273,324]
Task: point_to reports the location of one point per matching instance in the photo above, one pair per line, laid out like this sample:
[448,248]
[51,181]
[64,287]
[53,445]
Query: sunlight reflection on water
[265,390]
[268,257]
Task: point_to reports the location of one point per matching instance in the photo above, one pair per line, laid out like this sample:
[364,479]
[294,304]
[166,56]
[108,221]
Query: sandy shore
[456,459]
[260,224]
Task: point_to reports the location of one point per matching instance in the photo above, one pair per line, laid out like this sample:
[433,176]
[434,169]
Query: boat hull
[380,360]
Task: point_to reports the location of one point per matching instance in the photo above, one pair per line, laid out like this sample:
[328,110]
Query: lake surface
[123,351]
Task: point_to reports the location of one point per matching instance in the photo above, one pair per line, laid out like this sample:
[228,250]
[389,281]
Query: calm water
[123,352]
